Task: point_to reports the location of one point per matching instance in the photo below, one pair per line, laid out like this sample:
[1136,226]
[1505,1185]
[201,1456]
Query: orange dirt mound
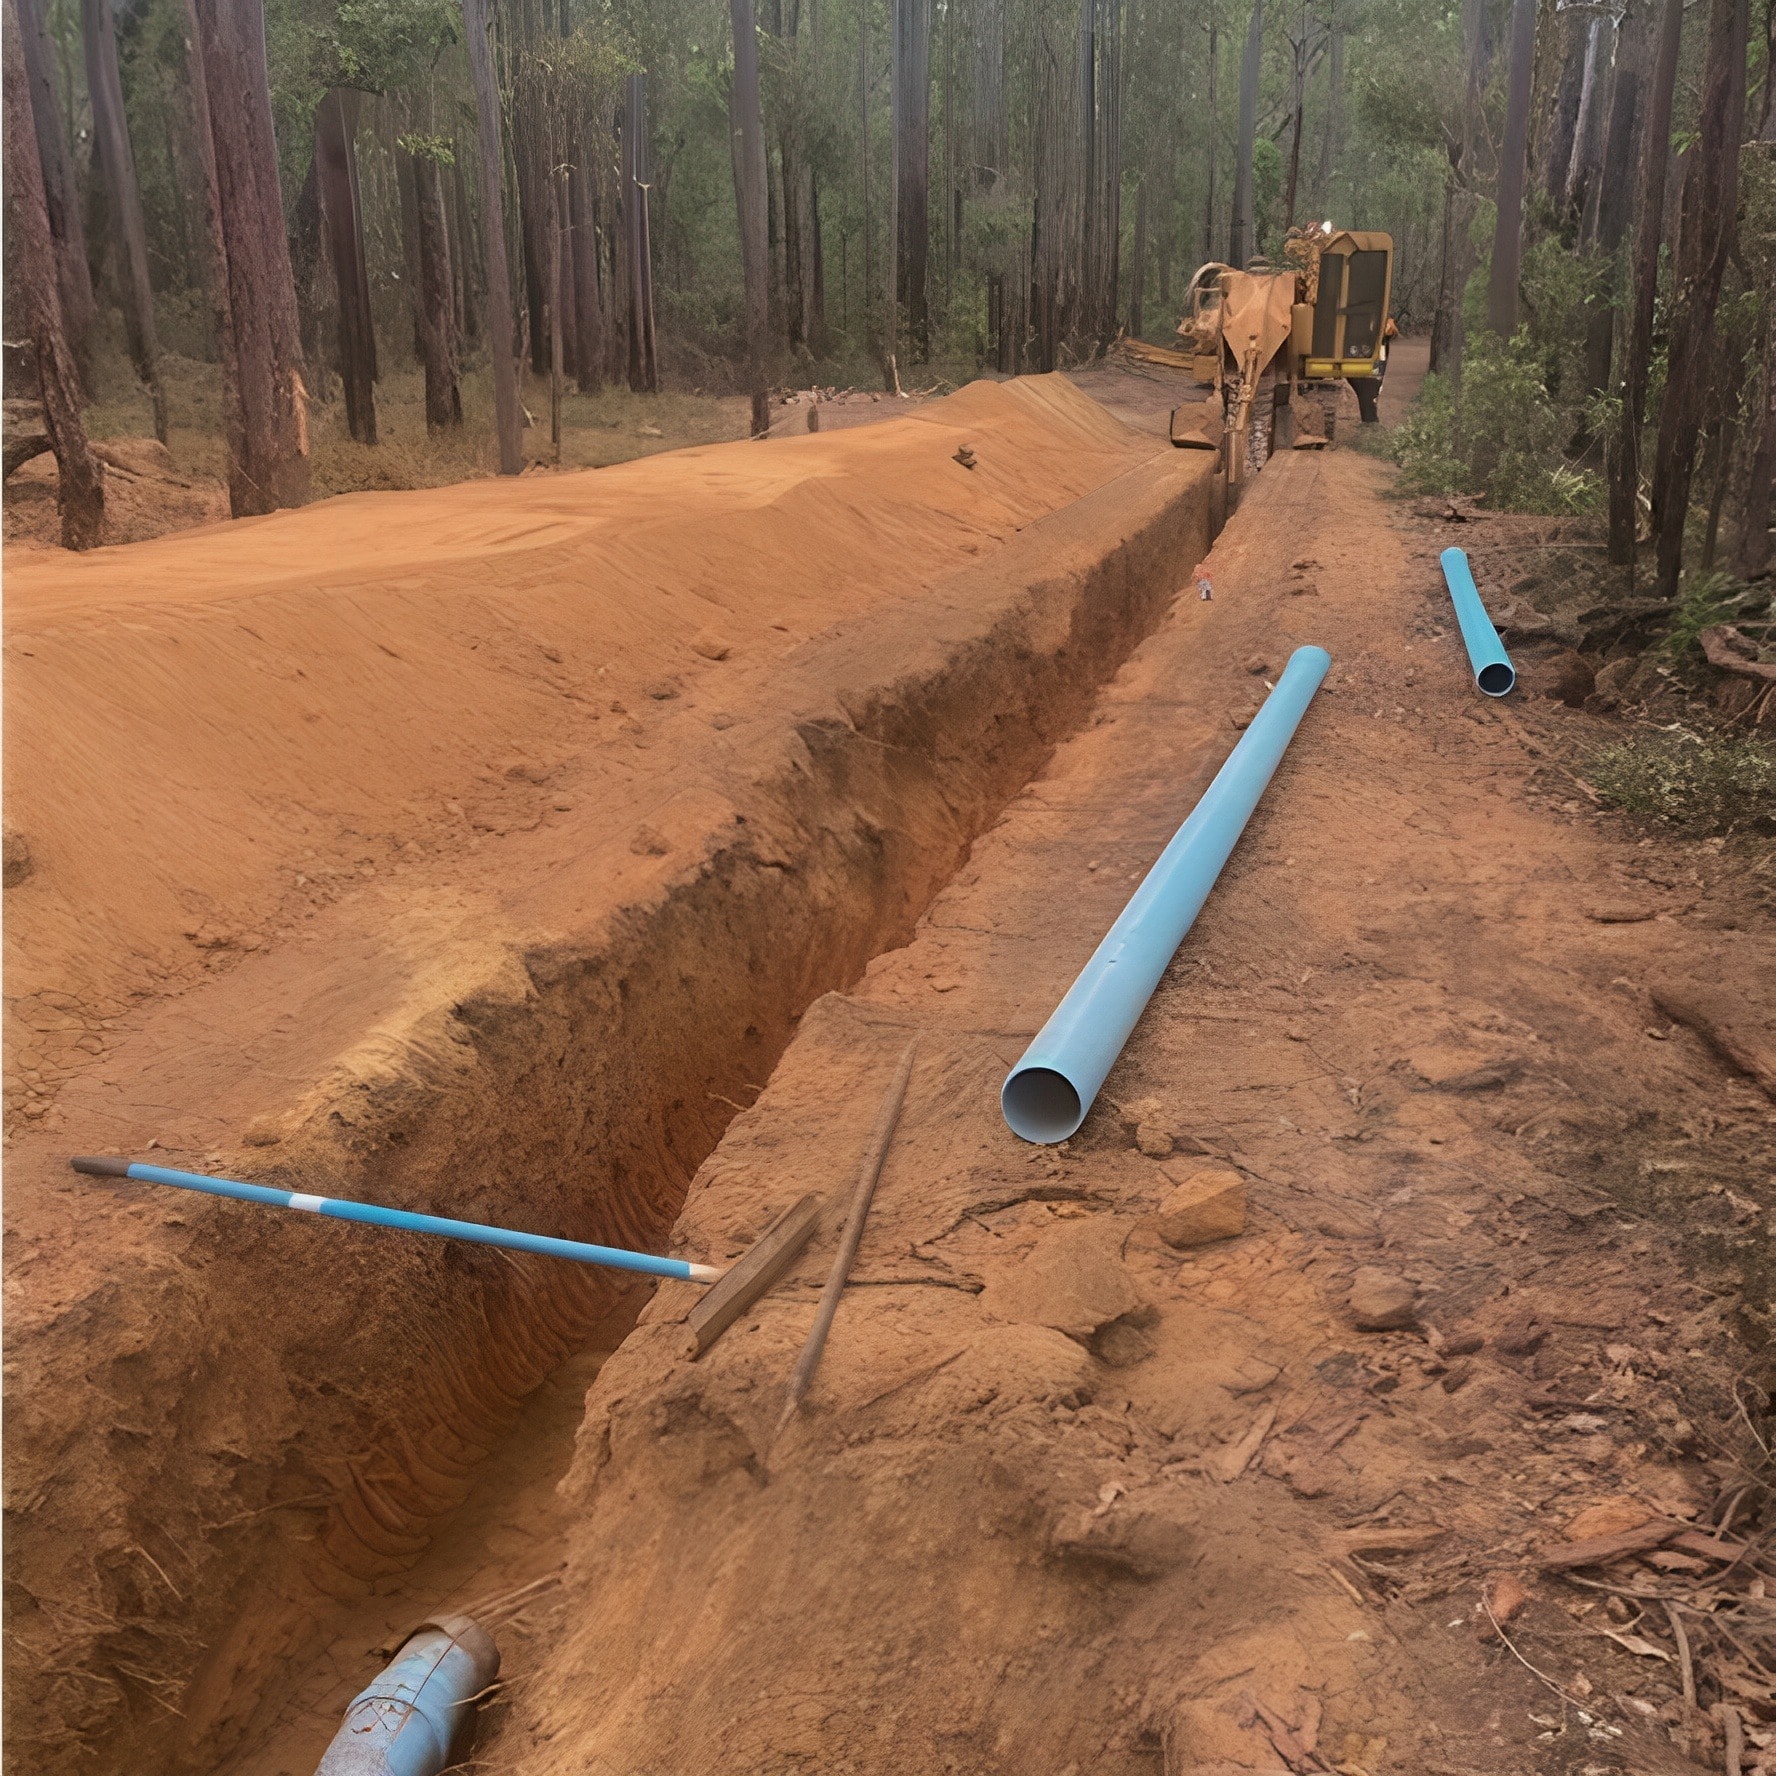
[212,733]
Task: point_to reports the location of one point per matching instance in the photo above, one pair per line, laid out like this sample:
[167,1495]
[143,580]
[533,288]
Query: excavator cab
[1347,308]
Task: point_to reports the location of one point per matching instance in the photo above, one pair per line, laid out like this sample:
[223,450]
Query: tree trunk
[1208,247]
[1322,193]
[863,149]
[342,222]
[262,348]
[1570,37]
[465,262]
[116,163]
[990,149]
[1507,239]
[1138,270]
[1637,348]
[1751,550]
[1298,104]
[557,368]
[1241,246]
[589,350]
[1710,208]
[817,267]
[507,417]
[643,373]
[1607,217]
[746,135]
[1587,132]
[436,297]
[61,190]
[912,177]
[80,485]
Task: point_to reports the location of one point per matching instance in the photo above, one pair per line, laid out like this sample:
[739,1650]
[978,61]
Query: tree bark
[1751,549]
[1448,326]
[1587,133]
[61,190]
[1707,225]
[643,372]
[589,344]
[1608,215]
[116,163]
[436,304]
[1241,244]
[912,178]
[1298,104]
[1322,194]
[80,486]
[508,419]
[1637,348]
[1138,270]
[746,135]
[1208,246]
[1507,239]
[262,349]
[342,223]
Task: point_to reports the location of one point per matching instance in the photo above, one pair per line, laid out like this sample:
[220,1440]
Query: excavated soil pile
[475,851]
[1076,1492]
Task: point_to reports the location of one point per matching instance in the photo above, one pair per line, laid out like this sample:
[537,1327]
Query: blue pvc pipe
[416,1713]
[1493,671]
[613,1257]
[1046,1095]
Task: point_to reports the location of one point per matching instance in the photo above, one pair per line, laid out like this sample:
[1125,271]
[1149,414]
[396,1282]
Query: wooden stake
[868,1172]
[753,1276]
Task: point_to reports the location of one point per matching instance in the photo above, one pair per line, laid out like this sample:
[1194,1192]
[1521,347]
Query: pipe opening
[1496,679]
[1041,1105]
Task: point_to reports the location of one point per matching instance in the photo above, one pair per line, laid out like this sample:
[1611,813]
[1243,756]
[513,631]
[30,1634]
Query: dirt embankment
[608,778]
[1067,1499]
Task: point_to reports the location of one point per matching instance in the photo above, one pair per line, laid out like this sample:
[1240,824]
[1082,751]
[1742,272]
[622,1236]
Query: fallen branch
[1721,645]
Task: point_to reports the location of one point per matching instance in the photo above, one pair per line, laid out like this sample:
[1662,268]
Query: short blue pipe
[1493,671]
[415,1717]
[1046,1095]
[613,1257]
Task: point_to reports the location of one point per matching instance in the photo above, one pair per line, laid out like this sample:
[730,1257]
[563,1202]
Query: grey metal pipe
[418,1714]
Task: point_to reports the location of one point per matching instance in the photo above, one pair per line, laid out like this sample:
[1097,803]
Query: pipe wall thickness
[1047,1094]
[418,1714]
[1493,671]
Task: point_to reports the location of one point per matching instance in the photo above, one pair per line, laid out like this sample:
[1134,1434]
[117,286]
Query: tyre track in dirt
[1065,1499]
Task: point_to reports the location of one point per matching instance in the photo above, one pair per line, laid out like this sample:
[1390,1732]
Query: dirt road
[1065,1498]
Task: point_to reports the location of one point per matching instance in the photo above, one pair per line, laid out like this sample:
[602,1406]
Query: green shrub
[1708,783]
[1707,598]
[1500,433]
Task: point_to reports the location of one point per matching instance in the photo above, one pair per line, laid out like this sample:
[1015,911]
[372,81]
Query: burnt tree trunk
[746,136]
[1706,230]
[436,298]
[1507,239]
[1241,245]
[1208,246]
[508,418]
[1297,104]
[80,486]
[1449,326]
[116,163]
[61,190]
[1587,129]
[262,347]
[1637,346]
[1751,548]
[342,223]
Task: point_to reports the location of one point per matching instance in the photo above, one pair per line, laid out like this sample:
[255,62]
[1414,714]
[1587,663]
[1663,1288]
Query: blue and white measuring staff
[612,1257]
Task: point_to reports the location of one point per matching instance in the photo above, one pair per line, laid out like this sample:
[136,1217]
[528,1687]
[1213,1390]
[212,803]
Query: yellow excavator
[1274,345]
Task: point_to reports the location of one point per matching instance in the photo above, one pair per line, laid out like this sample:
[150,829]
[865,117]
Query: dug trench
[1447,1462]
[231,1433]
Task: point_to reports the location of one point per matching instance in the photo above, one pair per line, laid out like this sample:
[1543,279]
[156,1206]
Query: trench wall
[306,1402]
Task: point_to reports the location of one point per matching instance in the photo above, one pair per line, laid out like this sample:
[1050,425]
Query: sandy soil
[1065,1499]
[1068,1499]
[537,951]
